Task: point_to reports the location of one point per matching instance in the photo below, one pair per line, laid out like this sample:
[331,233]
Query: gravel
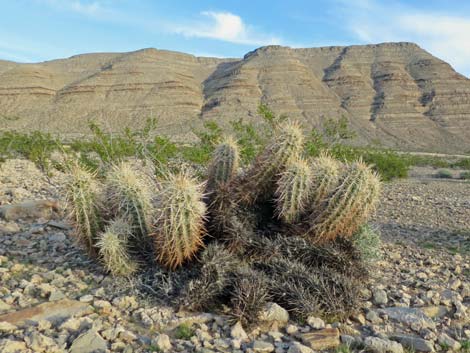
[419,294]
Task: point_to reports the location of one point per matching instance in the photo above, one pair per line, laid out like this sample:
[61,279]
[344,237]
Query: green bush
[463,163]
[112,148]
[36,146]
[444,174]
[464,176]
[184,332]
[201,152]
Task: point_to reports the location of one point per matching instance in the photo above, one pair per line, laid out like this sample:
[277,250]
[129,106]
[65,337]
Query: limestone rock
[262,347]
[445,340]
[11,346]
[412,317]
[163,342]
[414,343]
[29,210]
[322,339]
[89,342]
[51,311]
[296,347]
[379,345]
[274,313]
[238,332]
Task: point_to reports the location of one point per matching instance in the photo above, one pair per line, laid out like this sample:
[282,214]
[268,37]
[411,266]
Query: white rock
[297,347]
[315,322]
[272,312]
[6,327]
[163,342]
[262,347]
[446,340]
[380,296]
[237,332]
[379,345]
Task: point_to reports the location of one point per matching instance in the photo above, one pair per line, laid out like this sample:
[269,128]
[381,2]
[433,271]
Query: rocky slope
[54,299]
[395,93]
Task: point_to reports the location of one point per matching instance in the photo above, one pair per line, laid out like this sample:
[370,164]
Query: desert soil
[54,299]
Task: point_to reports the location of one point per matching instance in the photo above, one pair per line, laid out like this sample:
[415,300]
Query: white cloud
[444,35]
[87,8]
[224,26]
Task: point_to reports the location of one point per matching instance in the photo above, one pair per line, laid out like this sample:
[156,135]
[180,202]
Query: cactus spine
[287,144]
[128,197]
[180,215]
[84,202]
[348,206]
[293,190]
[113,248]
[224,164]
[325,177]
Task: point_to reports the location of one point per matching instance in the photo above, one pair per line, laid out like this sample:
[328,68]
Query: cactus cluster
[284,228]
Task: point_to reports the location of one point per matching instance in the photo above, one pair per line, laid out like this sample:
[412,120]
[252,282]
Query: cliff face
[395,93]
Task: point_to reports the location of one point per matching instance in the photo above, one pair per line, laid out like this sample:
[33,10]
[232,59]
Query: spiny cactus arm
[128,196]
[293,190]
[85,208]
[225,162]
[325,172]
[113,247]
[260,178]
[179,225]
[348,206]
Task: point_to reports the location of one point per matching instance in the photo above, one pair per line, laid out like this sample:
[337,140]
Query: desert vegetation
[288,227]
[101,148]
[241,224]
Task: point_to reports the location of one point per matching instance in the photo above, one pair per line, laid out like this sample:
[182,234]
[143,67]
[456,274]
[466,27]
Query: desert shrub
[36,146]
[463,163]
[464,176]
[444,174]
[105,148]
[184,332]
[201,152]
[332,136]
[253,137]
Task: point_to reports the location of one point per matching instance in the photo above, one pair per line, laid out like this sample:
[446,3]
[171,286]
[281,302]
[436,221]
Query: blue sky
[37,30]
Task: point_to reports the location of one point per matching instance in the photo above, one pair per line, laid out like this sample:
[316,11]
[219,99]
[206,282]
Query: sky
[38,30]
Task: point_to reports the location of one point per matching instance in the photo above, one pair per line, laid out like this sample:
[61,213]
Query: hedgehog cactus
[113,247]
[293,190]
[84,202]
[325,175]
[286,145]
[179,223]
[128,197]
[348,206]
[224,164]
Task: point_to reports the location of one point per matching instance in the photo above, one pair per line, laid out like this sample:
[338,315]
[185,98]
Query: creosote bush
[285,228]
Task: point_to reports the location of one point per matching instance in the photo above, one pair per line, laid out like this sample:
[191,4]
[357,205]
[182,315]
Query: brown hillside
[396,93]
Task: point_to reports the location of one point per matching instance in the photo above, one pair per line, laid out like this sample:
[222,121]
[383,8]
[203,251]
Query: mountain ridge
[396,93]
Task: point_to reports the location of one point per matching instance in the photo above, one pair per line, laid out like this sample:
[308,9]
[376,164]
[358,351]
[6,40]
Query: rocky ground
[53,299]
